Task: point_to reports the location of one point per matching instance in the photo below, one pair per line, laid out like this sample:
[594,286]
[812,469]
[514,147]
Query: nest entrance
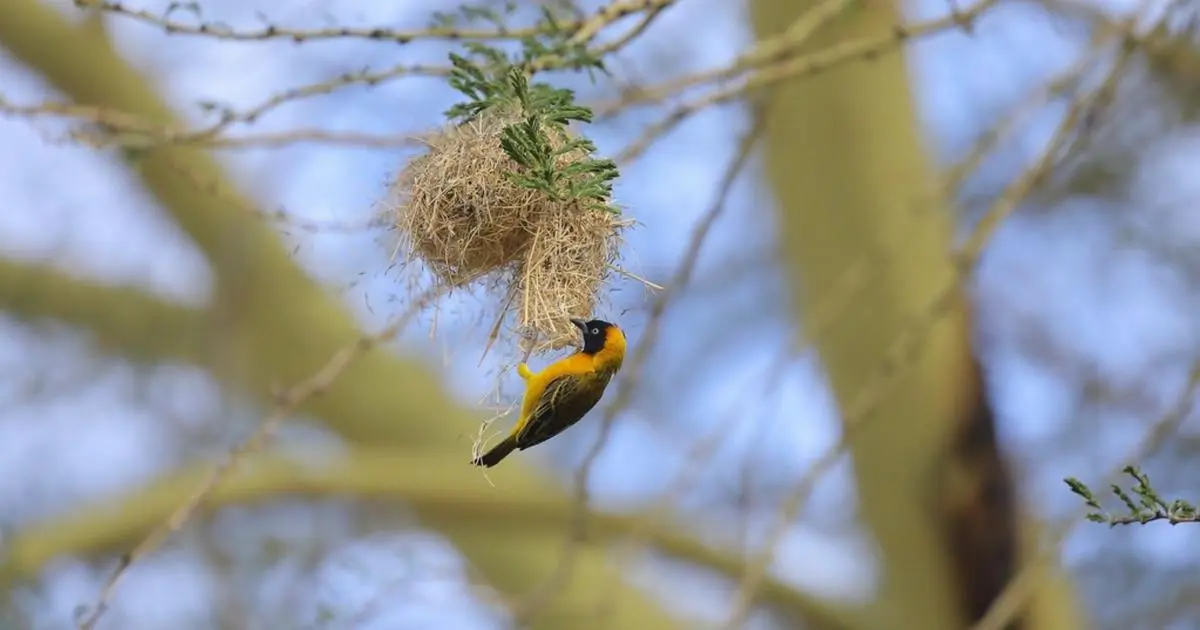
[462,217]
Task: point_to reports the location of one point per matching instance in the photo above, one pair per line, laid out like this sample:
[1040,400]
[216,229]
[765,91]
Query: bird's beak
[579,323]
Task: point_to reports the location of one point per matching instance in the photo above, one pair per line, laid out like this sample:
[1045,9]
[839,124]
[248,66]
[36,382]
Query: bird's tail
[496,453]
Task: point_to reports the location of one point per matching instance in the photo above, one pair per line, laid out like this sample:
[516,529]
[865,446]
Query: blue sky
[1092,285]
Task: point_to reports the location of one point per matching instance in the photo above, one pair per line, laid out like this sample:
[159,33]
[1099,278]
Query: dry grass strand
[562,273]
[460,216]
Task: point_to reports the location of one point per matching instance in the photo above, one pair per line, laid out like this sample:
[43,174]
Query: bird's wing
[563,402]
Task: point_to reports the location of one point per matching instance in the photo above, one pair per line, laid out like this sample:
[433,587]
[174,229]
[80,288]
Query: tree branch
[277,325]
[848,165]
[438,493]
[118,317]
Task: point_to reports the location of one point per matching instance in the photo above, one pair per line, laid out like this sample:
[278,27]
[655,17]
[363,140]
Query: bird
[564,392]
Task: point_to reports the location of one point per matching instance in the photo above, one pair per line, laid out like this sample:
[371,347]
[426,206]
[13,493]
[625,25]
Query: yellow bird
[560,395]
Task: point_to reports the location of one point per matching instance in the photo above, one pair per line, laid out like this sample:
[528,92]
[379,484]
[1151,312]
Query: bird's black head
[595,334]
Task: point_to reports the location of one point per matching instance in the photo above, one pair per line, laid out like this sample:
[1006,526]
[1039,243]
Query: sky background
[1076,293]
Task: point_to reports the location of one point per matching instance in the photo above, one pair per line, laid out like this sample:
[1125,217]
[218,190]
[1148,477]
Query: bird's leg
[524,371]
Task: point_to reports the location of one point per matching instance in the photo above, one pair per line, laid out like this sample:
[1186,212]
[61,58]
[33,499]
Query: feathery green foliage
[1143,503]
[489,78]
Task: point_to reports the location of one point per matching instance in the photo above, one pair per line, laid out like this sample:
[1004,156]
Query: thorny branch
[771,61]
[587,26]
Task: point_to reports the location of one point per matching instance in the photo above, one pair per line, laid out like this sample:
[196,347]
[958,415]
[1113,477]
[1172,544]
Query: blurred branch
[777,59]
[277,325]
[1070,129]
[1034,578]
[286,405]
[589,25]
[773,60]
[1035,574]
[790,55]
[118,317]
[438,494]
[263,303]
[127,130]
[932,484]
[987,533]
[122,128]
[850,173]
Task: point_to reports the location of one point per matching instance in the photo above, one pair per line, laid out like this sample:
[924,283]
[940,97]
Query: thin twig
[779,67]
[109,127]
[633,276]
[953,179]
[634,32]
[269,32]
[614,11]
[765,53]
[1021,587]
[133,132]
[1018,190]
[770,62]
[287,403]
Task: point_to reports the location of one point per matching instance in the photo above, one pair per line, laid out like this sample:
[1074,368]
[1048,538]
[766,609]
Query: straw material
[460,216]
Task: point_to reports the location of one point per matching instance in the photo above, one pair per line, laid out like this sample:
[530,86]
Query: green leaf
[539,141]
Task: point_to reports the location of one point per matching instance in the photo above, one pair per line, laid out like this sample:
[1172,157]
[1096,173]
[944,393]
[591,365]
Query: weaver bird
[560,395]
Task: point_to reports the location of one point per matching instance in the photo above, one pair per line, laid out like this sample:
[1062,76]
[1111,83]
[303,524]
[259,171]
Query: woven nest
[460,216]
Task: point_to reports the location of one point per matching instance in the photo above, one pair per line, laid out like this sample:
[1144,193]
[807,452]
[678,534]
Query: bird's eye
[595,331]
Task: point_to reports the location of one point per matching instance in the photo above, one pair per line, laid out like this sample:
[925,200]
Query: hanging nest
[460,216]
